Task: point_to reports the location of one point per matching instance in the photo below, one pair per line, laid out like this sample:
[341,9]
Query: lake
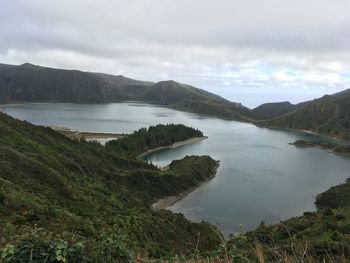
[261,176]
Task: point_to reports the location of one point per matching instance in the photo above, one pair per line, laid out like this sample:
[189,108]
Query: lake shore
[165,202]
[72,134]
[174,145]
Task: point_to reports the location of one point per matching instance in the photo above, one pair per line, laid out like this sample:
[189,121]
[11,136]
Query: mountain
[329,115]
[31,83]
[53,189]
[187,98]
[274,109]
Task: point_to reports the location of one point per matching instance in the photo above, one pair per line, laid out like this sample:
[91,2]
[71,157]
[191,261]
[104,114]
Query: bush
[112,249]
[36,250]
[328,212]
[309,213]
[2,198]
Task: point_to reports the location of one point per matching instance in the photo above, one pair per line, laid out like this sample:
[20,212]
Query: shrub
[112,249]
[2,198]
[328,212]
[36,250]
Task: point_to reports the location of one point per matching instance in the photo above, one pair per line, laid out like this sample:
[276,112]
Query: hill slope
[80,192]
[30,83]
[329,115]
[274,109]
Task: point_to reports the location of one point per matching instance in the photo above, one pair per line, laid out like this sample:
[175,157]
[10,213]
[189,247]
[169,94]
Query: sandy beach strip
[176,144]
[72,134]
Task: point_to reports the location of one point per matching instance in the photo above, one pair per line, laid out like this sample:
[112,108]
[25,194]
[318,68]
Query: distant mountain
[187,98]
[31,83]
[329,115]
[274,109]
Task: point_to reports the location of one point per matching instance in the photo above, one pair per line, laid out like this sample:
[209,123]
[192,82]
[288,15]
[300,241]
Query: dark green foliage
[336,197]
[329,115]
[144,139]
[2,197]
[187,98]
[326,234]
[227,110]
[30,83]
[328,212]
[318,235]
[302,143]
[181,175]
[37,248]
[112,249]
[80,191]
[272,110]
[34,248]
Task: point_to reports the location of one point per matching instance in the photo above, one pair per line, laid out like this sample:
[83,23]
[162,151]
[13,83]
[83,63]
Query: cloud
[254,45]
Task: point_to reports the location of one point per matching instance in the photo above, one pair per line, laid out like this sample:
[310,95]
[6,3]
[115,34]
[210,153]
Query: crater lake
[261,177]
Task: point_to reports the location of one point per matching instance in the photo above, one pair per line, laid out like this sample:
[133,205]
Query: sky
[248,51]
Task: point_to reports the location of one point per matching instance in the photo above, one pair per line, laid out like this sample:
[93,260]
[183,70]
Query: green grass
[78,192]
[76,201]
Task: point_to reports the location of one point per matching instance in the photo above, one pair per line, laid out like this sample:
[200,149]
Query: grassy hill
[274,109]
[329,115]
[31,83]
[80,199]
[62,199]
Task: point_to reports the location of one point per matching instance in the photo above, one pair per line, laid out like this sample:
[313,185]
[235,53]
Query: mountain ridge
[328,115]
[273,109]
[32,83]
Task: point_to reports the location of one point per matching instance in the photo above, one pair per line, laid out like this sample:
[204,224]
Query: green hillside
[272,110]
[56,192]
[31,83]
[329,115]
[67,201]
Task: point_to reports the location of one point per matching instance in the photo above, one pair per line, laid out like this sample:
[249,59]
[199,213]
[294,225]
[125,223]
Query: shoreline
[256,123]
[73,134]
[174,145]
[165,202]
[321,135]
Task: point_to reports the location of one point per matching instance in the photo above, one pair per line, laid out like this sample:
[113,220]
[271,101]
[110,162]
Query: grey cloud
[188,40]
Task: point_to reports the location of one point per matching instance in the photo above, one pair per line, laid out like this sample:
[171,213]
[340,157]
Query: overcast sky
[250,51]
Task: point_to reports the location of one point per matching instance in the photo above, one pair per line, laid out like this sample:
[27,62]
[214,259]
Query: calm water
[260,176]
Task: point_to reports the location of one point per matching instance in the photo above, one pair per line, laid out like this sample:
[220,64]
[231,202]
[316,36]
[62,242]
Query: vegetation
[315,237]
[273,110]
[186,98]
[144,139]
[30,83]
[321,236]
[329,115]
[340,148]
[302,143]
[336,197]
[69,201]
